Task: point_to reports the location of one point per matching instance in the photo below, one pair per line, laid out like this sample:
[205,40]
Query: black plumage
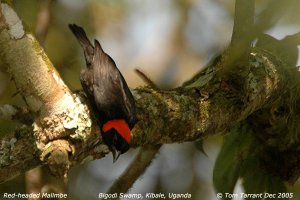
[104,85]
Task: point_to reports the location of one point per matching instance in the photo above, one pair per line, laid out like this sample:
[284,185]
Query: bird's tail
[84,41]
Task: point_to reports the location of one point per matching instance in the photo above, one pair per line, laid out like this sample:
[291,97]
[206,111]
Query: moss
[39,50]
[9,2]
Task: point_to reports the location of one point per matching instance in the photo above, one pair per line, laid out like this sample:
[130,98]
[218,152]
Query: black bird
[108,94]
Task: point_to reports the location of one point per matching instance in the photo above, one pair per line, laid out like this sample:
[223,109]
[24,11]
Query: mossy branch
[182,114]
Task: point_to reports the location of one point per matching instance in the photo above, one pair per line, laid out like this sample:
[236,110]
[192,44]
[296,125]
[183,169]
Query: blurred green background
[169,40]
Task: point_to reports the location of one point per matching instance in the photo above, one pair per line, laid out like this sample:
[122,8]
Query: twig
[14,113]
[244,30]
[134,170]
[241,35]
[43,20]
[273,11]
[33,182]
[145,78]
[243,22]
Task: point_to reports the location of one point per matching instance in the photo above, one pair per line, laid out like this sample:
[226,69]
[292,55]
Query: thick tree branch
[58,113]
[182,114]
[31,69]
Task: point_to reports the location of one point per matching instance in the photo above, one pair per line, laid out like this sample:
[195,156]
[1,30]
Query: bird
[107,92]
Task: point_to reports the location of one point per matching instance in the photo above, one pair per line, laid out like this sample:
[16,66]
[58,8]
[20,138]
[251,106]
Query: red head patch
[121,126]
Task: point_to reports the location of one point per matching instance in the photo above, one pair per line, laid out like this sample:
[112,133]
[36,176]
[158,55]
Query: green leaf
[240,157]
[227,166]
[254,180]
[257,181]
[235,150]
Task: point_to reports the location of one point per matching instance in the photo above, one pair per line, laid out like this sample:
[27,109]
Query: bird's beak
[115,153]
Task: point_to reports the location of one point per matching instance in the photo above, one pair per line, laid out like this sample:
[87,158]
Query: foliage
[240,159]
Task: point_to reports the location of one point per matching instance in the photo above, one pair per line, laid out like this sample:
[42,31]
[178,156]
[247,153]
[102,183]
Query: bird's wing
[115,94]
[129,102]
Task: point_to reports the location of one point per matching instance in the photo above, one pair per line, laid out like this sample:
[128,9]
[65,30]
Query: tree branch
[11,112]
[242,33]
[43,20]
[182,114]
[134,170]
[34,181]
[58,113]
[272,13]
[39,84]
[243,22]
[17,154]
